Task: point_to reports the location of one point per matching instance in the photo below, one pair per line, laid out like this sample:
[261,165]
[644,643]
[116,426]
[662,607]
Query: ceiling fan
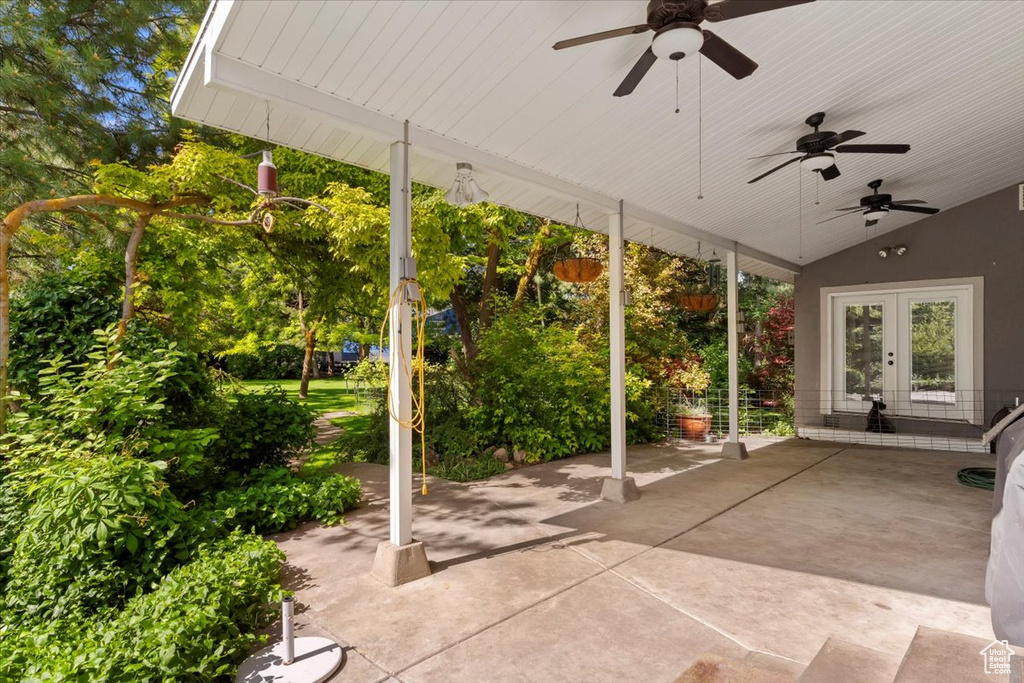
[817,150]
[677,34]
[876,206]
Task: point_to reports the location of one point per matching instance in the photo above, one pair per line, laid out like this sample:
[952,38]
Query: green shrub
[266,361]
[273,500]
[541,389]
[95,531]
[55,315]
[196,625]
[264,428]
[115,404]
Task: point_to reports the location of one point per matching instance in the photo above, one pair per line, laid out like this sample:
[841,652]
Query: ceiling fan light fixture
[818,162]
[465,190]
[675,41]
[876,214]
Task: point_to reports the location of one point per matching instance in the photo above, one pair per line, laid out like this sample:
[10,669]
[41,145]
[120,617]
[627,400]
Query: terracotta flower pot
[577,269]
[694,427]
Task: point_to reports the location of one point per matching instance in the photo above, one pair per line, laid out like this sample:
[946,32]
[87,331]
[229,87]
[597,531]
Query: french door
[912,349]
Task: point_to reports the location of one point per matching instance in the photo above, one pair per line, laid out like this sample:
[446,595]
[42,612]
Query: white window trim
[977,287]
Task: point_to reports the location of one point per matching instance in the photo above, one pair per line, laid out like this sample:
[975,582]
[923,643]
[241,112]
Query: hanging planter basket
[577,269]
[581,269]
[698,303]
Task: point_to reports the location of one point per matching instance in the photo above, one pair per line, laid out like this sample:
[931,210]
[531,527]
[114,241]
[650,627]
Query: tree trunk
[309,344]
[308,362]
[532,263]
[330,363]
[490,281]
[364,351]
[12,223]
[131,262]
[469,348]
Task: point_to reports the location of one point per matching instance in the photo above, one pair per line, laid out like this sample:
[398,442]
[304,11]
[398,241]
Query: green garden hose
[978,477]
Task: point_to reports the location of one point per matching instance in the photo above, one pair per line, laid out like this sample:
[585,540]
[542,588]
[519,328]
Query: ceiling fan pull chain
[700,127]
[817,177]
[677,86]
[800,201]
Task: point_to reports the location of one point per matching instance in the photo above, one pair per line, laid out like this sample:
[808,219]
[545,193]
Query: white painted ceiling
[945,77]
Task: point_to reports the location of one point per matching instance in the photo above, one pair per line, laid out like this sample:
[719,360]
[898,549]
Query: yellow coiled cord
[417,422]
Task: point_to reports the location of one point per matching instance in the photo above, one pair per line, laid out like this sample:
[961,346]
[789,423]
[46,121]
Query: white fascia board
[209,35]
[232,75]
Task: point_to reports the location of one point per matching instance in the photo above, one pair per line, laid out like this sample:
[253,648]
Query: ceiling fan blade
[830,172]
[840,138]
[731,9]
[734,62]
[851,208]
[794,159]
[870,224]
[913,209]
[874,149]
[910,201]
[839,216]
[776,154]
[603,35]
[637,73]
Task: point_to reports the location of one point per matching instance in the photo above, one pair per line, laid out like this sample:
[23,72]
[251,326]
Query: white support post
[400,346]
[733,448]
[618,488]
[400,559]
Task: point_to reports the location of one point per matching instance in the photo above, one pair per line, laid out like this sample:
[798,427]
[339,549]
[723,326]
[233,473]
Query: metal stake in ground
[293,660]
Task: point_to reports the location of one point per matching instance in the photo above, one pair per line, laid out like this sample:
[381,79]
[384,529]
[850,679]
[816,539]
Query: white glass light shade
[685,39]
[465,190]
[479,195]
[818,162]
[875,214]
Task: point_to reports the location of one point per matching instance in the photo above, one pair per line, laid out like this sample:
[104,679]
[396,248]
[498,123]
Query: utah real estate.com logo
[997,657]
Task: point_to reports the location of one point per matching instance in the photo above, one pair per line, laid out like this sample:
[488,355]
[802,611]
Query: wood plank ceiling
[945,77]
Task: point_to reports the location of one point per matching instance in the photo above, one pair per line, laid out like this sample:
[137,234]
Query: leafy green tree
[85,80]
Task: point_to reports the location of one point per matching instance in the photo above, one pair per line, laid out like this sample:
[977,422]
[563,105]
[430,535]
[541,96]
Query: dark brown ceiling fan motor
[876,206]
[677,33]
[818,150]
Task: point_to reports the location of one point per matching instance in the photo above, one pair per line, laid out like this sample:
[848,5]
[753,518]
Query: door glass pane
[863,362]
[933,352]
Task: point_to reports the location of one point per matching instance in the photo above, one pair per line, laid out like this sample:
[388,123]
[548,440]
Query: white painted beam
[232,75]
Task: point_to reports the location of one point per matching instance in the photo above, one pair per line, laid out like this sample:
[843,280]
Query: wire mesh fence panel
[939,420]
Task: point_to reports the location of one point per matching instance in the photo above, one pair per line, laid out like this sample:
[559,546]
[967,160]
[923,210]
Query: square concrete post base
[736,450]
[394,565]
[619,490]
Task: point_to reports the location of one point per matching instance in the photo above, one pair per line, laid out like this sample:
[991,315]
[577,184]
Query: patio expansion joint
[386,675]
[695,617]
[604,569]
[611,569]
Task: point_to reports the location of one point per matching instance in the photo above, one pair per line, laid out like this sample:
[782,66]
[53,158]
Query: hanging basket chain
[577,269]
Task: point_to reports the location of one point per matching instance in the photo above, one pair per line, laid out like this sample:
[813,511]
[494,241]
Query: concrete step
[710,668]
[937,656]
[838,660]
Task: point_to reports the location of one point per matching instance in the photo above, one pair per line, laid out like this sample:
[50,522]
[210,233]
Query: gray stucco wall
[984,237]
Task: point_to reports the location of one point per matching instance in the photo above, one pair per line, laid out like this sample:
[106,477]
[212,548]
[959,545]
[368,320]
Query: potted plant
[692,418]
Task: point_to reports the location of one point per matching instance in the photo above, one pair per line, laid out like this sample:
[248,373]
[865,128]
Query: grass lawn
[325,395]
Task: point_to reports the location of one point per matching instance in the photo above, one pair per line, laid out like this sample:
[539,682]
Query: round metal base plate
[316,659]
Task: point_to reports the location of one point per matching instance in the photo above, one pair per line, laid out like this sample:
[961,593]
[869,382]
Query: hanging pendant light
[465,190]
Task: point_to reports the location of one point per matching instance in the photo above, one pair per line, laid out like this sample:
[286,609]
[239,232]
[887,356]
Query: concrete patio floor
[762,561]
